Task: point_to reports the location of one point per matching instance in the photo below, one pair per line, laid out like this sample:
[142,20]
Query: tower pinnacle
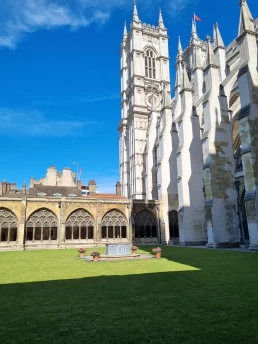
[161,22]
[194,32]
[135,13]
[218,42]
[210,61]
[125,31]
[179,45]
[246,22]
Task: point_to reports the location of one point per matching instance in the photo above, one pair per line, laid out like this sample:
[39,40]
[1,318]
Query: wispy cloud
[176,7]
[20,17]
[36,123]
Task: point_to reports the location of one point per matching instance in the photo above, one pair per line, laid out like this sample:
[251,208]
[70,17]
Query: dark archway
[145,225]
[173,225]
[244,218]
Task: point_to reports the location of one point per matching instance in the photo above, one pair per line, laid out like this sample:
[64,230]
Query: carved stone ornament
[152,99]
[114,218]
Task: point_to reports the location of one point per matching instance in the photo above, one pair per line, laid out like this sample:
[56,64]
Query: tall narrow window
[150,64]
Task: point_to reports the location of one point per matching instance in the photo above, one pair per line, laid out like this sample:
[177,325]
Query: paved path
[237,249]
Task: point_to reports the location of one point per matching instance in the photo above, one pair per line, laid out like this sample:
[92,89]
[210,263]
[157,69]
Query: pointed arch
[8,225]
[145,224]
[173,224]
[150,63]
[42,226]
[114,225]
[79,225]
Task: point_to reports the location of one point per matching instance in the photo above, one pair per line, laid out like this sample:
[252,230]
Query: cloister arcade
[49,227]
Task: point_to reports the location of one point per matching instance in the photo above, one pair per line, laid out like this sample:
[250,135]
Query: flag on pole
[197,18]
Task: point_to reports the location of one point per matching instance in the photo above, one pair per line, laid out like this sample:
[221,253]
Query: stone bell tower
[144,76]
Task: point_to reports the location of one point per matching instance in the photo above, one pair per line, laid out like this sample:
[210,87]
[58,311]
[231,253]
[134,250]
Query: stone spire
[135,13]
[194,32]
[218,41]
[125,31]
[179,65]
[186,83]
[161,22]
[246,22]
[179,46]
[210,60]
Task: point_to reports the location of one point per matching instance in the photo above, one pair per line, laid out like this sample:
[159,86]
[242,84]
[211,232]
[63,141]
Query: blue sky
[60,79]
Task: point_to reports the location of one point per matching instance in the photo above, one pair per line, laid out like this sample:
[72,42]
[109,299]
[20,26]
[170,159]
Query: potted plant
[81,251]
[95,254]
[157,252]
[134,249]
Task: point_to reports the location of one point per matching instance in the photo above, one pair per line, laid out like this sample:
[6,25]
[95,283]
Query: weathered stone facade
[198,152]
[28,223]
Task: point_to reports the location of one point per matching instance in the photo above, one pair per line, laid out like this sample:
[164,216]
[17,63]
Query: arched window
[150,64]
[42,226]
[79,226]
[114,225]
[173,224]
[145,225]
[8,226]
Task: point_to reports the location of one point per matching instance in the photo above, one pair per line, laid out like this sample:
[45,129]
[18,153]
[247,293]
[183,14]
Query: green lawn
[188,296]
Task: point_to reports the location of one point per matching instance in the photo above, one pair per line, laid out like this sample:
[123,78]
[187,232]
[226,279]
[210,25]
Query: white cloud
[35,123]
[20,17]
[177,6]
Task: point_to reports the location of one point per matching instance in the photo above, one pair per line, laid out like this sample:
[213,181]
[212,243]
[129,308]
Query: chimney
[92,188]
[4,187]
[118,189]
[79,184]
[32,183]
[24,188]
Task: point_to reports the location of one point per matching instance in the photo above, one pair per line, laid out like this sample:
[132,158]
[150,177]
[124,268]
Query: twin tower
[195,152]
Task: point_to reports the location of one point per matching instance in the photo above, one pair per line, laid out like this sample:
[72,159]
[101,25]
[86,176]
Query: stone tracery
[114,225]
[79,226]
[41,226]
[8,225]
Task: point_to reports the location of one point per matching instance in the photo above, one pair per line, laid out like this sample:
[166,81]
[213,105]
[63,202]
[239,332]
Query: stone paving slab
[104,258]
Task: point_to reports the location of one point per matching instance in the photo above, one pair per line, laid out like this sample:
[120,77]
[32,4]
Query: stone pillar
[248,118]
[98,231]
[22,225]
[61,226]
[219,174]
